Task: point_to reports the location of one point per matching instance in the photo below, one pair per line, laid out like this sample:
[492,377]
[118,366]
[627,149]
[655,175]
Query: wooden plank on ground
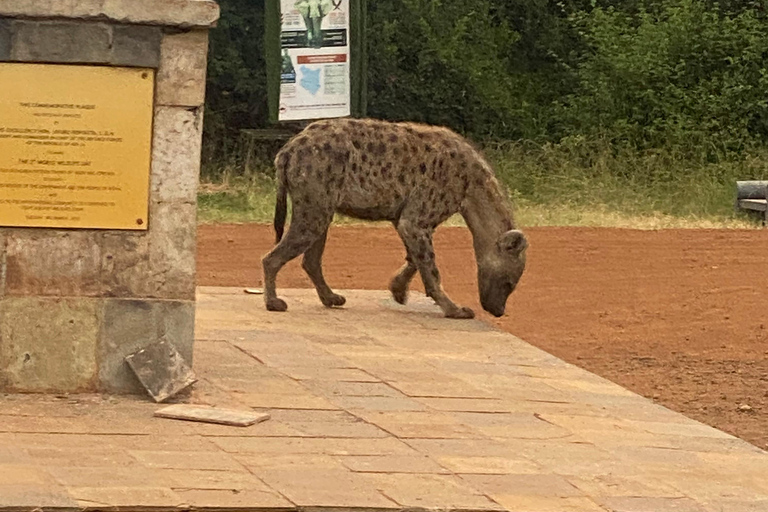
[211,415]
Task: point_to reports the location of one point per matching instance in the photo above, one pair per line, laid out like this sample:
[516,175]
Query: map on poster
[315,72]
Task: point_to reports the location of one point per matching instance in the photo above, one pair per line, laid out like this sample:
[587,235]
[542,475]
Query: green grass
[576,184]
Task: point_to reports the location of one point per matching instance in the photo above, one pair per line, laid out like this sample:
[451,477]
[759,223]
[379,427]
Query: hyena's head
[499,271]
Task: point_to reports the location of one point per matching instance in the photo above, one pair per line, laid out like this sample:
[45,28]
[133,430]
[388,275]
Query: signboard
[315,59]
[75,146]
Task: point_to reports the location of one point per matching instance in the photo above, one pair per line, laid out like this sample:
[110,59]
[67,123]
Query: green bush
[686,75]
[682,78]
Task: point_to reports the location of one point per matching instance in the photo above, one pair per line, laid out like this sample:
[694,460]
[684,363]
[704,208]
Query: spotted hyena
[413,175]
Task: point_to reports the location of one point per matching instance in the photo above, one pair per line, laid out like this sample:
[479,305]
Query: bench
[753,196]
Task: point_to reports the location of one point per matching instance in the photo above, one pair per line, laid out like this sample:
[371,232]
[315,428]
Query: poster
[315,70]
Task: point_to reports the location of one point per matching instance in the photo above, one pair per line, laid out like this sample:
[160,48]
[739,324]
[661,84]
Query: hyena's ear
[512,242]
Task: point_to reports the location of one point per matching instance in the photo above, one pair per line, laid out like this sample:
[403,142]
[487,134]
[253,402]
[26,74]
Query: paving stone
[601,450]
[227,498]
[358,389]
[162,371]
[181,77]
[325,488]
[279,401]
[11,455]
[136,45]
[332,375]
[377,403]
[49,345]
[266,429]
[212,461]
[26,486]
[116,476]
[420,425]
[547,504]
[176,149]
[210,480]
[242,445]
[61,42]
[392,464]
[488,465]
[562,456]
[183,13]
[303,461]
[360,430]
[690,429]
[433,492]
[699,485]
[440,388]
[125,496]
[611,485]
[548,485]
[463,447]
[512,426]
[258,384]
[27,497]
[631,504]
[93,456]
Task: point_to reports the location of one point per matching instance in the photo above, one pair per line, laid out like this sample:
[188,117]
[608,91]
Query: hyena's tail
[281,205]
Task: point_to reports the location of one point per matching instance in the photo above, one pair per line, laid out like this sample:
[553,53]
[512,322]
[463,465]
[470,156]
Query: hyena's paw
[399,292]
[461,314]
[276,305]
[333,301]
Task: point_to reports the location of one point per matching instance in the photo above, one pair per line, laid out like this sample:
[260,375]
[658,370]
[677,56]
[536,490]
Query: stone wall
[74,303]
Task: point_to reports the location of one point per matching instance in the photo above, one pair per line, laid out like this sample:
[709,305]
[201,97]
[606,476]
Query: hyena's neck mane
[487,214]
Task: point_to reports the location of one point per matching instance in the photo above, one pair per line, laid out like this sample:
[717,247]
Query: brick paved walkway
[378,407]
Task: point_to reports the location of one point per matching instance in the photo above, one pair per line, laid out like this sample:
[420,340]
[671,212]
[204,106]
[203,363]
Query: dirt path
[676,315]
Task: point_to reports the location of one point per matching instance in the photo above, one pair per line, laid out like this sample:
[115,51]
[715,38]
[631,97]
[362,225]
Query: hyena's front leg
[418,242]
[313,266]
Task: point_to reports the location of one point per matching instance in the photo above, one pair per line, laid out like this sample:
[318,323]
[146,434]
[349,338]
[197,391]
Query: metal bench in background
[753,196]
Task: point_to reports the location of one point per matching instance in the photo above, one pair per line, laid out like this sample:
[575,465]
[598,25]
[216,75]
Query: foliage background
[638,93]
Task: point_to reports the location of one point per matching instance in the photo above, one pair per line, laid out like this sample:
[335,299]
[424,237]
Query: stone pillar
[74,302]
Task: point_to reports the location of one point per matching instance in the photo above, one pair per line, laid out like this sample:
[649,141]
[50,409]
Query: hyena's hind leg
[399,284]
[308,226]
[313,265]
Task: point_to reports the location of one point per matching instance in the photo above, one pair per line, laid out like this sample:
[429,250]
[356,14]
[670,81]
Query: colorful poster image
[315,74]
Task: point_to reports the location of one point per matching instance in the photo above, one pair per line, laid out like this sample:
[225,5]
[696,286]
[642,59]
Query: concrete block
[125,265]
[181,13]
[5,40]
[181,76]
[53,263]
[3,263]
[176,324]
[172,243]
[61,41]
[48,345]
[130,325]
[136,45]
[127,326]
[178,134]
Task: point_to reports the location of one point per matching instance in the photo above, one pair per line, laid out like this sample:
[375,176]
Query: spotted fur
[415,176]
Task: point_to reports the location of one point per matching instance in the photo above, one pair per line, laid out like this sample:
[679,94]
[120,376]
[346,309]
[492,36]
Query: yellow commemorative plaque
[75,146]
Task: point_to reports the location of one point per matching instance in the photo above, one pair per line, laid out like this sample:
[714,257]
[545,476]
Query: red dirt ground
[676,315]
